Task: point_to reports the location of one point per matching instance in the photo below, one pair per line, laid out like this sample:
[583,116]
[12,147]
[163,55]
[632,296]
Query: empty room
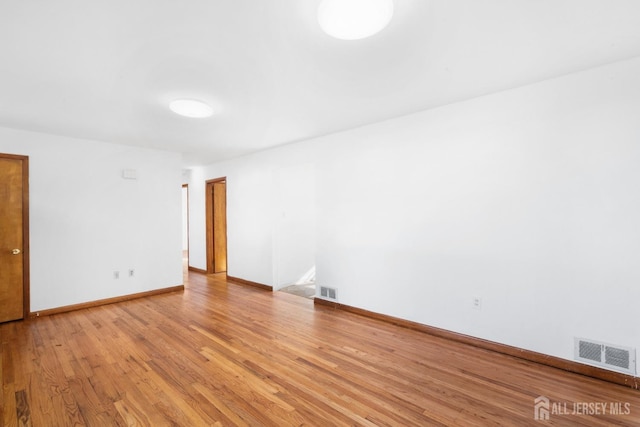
[320,212]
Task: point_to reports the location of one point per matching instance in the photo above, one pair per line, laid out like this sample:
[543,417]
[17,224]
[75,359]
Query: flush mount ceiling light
[354,19]
[191,108]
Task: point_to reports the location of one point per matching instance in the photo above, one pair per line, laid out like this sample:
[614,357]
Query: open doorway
[294,232]
[216,214]
[185,226]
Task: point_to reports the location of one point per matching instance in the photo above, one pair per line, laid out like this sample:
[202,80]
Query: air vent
[617,358]
[328,293]
[590,351]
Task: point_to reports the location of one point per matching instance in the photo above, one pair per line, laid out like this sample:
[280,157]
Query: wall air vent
[328,293]
[616,358]
[590,351]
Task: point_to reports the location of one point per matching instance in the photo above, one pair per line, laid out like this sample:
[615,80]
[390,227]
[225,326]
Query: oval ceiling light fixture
[191,108]
[354,19]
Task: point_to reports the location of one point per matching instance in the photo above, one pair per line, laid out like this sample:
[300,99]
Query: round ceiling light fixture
[191,108]
[354,19]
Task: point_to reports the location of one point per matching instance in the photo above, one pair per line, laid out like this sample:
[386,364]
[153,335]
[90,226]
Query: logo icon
[541,408]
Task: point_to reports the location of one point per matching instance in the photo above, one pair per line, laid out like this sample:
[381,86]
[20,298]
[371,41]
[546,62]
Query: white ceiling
[107,69]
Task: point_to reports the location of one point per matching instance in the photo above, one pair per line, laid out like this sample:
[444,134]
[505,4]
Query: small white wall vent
[617,358]
[328,293]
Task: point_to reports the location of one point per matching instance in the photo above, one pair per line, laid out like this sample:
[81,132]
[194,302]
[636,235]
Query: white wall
[528,199]
[270,215]
[86,221]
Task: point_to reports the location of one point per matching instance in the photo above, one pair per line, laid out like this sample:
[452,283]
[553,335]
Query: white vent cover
[328,293]
[617,358]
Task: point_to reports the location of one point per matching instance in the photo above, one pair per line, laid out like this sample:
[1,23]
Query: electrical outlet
[476,303]
[116,274]
[132,273]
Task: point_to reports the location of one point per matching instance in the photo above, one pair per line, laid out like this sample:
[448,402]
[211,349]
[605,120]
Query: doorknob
[15,251]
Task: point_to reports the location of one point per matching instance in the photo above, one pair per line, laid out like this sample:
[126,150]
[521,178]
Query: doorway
[14,237]
[185,226]
[294,237]
[216,213]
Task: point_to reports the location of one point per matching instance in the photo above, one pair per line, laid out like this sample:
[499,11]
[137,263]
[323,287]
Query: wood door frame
[26,293]
[209,219]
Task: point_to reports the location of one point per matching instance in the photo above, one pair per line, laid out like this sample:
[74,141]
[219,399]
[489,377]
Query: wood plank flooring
[223,354]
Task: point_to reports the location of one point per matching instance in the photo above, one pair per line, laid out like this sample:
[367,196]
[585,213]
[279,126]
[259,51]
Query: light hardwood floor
[226,354]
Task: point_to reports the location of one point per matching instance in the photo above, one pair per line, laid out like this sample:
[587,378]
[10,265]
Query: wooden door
[219,227]
[13,237]
[216,212]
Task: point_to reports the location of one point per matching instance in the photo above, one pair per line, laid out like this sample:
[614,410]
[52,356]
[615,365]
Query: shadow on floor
[308,290]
